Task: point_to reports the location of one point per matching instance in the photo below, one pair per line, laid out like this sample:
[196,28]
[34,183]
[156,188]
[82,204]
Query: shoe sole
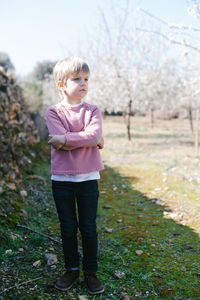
[97,292]
[69,287]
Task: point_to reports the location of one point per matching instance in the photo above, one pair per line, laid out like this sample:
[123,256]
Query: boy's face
[76,86]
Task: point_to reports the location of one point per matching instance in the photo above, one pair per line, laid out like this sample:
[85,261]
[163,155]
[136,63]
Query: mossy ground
[168,268]
[131,187]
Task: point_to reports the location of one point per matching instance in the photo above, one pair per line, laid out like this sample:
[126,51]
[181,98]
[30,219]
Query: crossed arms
[61,139]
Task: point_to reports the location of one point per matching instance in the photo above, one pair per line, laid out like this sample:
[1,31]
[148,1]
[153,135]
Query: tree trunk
[152,118]
[197,131]
[128,120]
[103,115]
[190,118]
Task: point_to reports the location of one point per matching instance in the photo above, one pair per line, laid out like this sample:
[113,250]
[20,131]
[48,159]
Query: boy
[75,129]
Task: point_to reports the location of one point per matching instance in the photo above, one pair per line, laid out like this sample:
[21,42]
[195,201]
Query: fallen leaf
[83,297]
[125,296]
[11,186]
[119,274]
[15,236]
[108,229]
[107,206]
[37,263]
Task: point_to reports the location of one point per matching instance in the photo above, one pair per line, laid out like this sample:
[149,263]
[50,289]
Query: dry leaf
[108,229]
[83,297]
[11,186]
[107,206]
[125,296]
[37,263]
[119,274]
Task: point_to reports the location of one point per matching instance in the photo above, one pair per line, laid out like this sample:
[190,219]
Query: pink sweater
[82,126]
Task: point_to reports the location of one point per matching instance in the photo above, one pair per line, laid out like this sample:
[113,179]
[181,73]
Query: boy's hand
[101,143]
[56,140]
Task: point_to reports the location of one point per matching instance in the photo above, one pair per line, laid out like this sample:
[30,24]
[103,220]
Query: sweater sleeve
[91,134]
[87,138]
[55,125]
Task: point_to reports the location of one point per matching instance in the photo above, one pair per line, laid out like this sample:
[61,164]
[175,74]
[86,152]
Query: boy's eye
[75,78]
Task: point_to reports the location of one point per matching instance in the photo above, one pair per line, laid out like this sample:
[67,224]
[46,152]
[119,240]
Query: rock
[9,251]
[18,135]
[21,249]
[17,130]
[23,193]
[110,230]
[51,259]
[139,252]
[119,220]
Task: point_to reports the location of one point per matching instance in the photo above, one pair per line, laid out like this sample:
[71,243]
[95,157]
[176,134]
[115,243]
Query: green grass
[168,268]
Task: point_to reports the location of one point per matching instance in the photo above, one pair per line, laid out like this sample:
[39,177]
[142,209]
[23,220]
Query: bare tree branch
[45,235]
[183,43]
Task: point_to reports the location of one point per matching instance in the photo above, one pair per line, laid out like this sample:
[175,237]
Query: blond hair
[69,66]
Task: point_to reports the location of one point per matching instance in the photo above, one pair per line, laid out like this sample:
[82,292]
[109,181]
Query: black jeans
[66,194]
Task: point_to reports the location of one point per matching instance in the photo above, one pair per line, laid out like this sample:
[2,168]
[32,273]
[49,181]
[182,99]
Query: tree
[43,69]
[5,62]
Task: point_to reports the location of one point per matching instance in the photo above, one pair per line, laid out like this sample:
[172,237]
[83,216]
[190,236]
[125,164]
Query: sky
[36,30]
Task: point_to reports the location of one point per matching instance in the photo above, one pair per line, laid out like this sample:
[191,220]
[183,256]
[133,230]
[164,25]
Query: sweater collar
[68,105]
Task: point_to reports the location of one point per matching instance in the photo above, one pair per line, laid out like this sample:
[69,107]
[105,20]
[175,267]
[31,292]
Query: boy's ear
[59,83]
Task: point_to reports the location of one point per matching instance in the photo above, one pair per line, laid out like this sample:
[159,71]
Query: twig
[170,25]
[45,235]
[17,285]
[169,39]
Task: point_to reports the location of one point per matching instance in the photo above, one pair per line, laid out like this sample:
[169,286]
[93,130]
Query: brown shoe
[93,284]
[66,281]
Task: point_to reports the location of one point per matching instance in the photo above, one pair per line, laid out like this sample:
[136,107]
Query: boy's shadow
[168,263]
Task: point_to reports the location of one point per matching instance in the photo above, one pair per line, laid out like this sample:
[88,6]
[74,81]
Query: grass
[168,267]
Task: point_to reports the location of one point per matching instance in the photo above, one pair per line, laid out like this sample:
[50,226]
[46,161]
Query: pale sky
[37,30]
